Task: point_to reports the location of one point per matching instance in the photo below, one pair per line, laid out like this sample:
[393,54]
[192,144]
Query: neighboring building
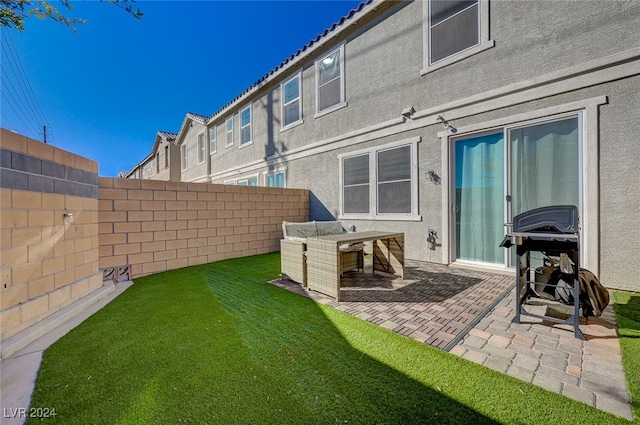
[450,117]
[192,140]
[163,163]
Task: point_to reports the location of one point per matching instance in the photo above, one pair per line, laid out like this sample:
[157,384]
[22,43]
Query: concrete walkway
[469,314]
[19,370]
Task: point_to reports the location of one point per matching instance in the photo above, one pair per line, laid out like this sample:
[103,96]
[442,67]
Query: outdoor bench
[294,246]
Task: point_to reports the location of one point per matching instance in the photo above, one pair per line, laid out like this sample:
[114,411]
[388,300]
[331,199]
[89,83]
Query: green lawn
[217,344]
[627,308]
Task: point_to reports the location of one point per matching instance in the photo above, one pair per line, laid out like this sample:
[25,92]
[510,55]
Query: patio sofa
[294,246]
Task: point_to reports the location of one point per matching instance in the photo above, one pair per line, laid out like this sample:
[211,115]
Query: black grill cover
[554,219]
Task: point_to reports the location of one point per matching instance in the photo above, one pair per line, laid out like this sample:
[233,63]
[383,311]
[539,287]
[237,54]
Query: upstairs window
[330,82]
[212,140]
[166,157]
[245,126]
[183,157]
[229,131]
[202,146]
[291,102]
[454,30]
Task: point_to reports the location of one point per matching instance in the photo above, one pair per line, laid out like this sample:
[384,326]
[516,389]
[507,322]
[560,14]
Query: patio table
[323,257]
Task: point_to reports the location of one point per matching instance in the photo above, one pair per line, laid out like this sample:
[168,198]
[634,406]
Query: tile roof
[336,26]
[353,13]
[168,135]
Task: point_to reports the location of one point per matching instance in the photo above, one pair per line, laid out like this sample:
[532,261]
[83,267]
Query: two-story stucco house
[193,142]
[162,163]
[450,117]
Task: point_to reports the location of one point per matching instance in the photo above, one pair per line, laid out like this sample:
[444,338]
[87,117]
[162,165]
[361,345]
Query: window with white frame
[356,184]
[166,157]
[183,157]
[454,30]
[202,146]
[380,182]
[252,181]
[277,179]
[330,81]
[212,140]
[245,126]
[291,101]
[229,127]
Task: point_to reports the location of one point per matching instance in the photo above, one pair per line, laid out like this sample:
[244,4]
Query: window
[229,131]
[245,126]
[157,162]
[202,146]
[166,157]
[381,182]
[330,82]
[212,140]
[394,180]
[276,179]
[253,181]
[355,187]
[454,30]
[291,102]
[183,157]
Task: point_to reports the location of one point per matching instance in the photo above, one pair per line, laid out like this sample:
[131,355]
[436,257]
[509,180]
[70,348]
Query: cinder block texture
[49,230]
[153,226]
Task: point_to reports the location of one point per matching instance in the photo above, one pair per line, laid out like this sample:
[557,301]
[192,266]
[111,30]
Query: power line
[16,85]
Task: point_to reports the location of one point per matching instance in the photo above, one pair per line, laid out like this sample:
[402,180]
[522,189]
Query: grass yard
[217,344]
[627,308]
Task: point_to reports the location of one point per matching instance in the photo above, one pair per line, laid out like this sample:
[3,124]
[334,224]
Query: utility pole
[45,133]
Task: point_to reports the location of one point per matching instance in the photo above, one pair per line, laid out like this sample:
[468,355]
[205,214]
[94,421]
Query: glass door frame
[451,146]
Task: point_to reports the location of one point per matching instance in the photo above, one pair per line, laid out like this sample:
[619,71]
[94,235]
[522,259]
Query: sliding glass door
[479,207]
[537,166]
[544,165]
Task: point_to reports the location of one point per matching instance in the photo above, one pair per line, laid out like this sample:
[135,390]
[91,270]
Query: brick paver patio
[433,304]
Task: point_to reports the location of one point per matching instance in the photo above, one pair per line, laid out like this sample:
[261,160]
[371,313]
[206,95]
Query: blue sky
[106,90]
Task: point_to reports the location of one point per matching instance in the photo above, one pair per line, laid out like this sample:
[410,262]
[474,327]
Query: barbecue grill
[553,231]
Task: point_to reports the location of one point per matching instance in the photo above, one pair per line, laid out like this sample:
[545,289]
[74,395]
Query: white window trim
[343,101]
[213,142]
[226,132]
[202,149]
[300,119]
[184,159]
[273,172]
[250,177]
[590,197]
[250,141]
[373,183]
[484,41]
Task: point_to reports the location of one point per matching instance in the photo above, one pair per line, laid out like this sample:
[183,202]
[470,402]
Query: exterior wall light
[68,217]
[408,112]
[431,239]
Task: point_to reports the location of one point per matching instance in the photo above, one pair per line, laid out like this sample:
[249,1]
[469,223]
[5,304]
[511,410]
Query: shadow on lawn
[307,372]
